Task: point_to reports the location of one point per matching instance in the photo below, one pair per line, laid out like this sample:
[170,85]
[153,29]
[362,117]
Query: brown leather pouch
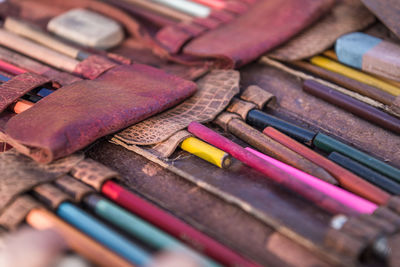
[78,114]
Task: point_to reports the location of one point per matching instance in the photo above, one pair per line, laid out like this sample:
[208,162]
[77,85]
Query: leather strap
[93,173]
[20,174]
[242,108]
[258,96]
[50,195]
[74,188]
[18,86]
[166,148]
[16,212]
[93,66]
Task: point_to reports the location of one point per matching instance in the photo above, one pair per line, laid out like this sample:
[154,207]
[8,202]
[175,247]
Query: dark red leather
[18,86]
[236,35]
[264,26]
[78,114]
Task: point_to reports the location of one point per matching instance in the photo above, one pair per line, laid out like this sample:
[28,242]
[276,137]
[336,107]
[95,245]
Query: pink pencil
[346,198]
[271,171]
[212,3]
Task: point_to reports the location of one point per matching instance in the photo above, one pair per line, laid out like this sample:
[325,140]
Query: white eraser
[87,28]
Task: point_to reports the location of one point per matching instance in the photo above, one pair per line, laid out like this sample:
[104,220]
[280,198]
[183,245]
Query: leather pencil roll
[77,114]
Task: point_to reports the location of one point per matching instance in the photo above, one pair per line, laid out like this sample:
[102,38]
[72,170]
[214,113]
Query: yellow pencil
[332,55]
[206,152]
[331,65]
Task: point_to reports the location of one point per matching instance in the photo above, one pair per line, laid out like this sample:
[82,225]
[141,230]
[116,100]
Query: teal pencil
[140,229]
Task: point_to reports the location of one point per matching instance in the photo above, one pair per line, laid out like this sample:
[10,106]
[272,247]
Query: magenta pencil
[346,198]
[273,172]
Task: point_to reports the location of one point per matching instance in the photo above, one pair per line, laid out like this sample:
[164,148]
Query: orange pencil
[21,106]
[42,219]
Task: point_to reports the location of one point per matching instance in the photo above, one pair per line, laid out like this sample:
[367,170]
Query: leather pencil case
[226,38]
[79,113]
[232,36]
[137,45]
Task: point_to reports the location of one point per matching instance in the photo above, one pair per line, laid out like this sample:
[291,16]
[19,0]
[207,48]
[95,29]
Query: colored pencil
[56,199]
[103,234]
[37,51]
[351,84]
[10,68]
[276,174]
[261,120]
[352,105]
[370,54]
[331,65]
[21,106]
[368,174]
[346,179]
[348,199]
[76,240]
[36,34]
[268,146]
[329,145]
[206,152]
[172,225]
[140,229]
[325,143]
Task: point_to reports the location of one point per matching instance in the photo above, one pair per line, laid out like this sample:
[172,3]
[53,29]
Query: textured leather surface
[18,86]
[19,173]
[16,212]
[93,66]
[316,114]
[76,115]
[264,26]
[346,16]
[74,188]
[50,195]
[387,11]
[216,90]
[258,96]
[225,221]
[93,173]
[167,147]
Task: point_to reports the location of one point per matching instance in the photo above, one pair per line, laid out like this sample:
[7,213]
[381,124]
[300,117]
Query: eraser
[87,28]
[370,54]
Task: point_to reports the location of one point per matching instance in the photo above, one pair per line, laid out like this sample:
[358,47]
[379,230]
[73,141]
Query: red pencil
[172,225]
[10,68]
[276,174]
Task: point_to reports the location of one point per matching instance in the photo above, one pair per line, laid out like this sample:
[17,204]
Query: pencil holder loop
[18,86]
